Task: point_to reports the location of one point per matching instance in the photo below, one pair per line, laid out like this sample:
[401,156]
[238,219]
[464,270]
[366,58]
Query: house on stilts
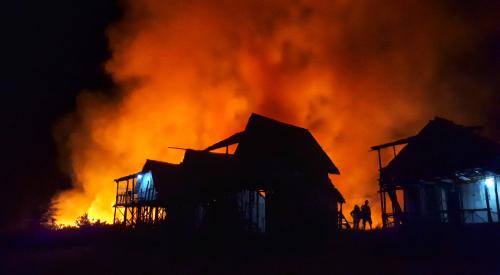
[277,180]
[447,173]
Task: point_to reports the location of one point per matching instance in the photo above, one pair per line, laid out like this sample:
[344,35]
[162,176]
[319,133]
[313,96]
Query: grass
[109,250]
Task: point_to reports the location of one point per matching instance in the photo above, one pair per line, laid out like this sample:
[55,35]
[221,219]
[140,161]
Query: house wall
[144,187]
[474,204]
[464,202]
[425,203]
[252,206]
[241,211]
[301,211]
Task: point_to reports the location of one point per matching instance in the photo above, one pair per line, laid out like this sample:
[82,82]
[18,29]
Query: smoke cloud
[189,73]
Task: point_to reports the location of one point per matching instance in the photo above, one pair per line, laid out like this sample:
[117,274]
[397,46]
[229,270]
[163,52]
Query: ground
[444,250]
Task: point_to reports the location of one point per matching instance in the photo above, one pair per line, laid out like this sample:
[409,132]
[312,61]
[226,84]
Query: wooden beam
[381,190]
[126,204]
[116,202]
[486,193]
[397,142]
[496,198]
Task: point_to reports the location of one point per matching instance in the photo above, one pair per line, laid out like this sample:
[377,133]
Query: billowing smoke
[356,73]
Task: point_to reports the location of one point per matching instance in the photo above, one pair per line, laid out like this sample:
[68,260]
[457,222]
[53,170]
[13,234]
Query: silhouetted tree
[48,220]
[83,221]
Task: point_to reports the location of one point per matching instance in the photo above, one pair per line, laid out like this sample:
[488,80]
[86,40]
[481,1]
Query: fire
[190,75]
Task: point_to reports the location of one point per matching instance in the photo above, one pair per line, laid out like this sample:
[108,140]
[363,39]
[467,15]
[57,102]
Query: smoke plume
[356,73]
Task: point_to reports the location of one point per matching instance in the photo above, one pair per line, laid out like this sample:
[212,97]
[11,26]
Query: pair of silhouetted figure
[363,214]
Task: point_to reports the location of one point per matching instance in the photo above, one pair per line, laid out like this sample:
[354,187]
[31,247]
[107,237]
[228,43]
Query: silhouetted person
[366,215]
[356,216]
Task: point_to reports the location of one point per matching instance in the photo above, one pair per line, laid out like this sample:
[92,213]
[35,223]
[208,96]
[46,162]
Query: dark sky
[51,50]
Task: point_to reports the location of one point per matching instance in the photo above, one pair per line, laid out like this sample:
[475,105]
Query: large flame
[189,74]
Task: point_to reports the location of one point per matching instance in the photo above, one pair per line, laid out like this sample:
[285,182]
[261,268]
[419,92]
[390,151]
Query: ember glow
[189,74]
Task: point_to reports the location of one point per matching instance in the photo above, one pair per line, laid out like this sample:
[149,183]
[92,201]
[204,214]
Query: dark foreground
[469,250]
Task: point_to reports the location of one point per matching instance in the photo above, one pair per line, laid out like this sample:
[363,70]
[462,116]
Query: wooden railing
[131,197]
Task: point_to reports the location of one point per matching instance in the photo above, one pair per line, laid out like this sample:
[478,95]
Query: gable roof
[166,178]
[199,174]
[441,149]
[269,143]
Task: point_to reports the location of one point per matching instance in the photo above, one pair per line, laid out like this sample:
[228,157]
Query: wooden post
[251,204]
[116,202]
[460,198]
[257,212]
[339,215]
[132,201]
[381,190]
[496,199]
[126,205]
[379,160]
[490,220]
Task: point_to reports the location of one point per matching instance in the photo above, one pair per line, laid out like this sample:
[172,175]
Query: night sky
[51,51]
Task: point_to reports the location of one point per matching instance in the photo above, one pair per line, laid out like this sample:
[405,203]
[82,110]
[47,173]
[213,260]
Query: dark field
[446,250]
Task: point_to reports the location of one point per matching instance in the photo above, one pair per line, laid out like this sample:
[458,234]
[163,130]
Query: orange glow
[191,74]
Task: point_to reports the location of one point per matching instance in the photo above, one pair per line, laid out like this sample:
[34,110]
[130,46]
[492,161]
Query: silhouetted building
[447,173]
[276,181]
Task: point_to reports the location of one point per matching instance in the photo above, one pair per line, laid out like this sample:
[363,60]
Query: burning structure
[447,173]
[277,180]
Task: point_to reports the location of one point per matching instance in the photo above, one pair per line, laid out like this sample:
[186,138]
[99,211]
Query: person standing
[356,215]
[366,215]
